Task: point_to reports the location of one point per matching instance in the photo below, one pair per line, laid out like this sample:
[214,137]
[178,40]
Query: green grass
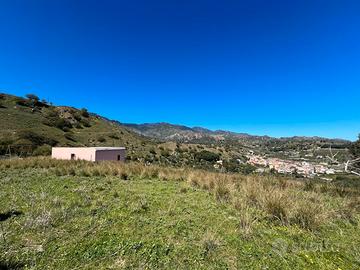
[104,222]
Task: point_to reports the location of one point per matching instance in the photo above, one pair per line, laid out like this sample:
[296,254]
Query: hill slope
[31,126]
[170,132]
[29,123]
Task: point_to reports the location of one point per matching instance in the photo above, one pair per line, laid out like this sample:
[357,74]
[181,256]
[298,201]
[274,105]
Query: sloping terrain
[29,126]
[287,147]
[170,132]
[29,123]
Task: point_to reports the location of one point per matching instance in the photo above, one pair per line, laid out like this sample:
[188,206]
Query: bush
[84,113]
[33,97]
[222,192]
[276,205]
[307,216]
[36,139]
[85,123]
[22,102]
[165,152]
[70,137]
[114,136]
[63,124]
[207,156]
[246,168]
[78,126]
[231,165]
[101,139]
[77,116]
[43,150]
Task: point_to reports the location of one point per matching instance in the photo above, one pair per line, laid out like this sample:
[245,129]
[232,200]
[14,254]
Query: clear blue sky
[280,68]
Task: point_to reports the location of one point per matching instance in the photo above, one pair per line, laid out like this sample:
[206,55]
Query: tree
[355,151]
[33,97]
[32,101]
[353,164]
[355,148]
[2,96]
[85,113]
[207,156]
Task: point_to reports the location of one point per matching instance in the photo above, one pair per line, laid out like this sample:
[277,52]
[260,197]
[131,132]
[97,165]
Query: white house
[89,153]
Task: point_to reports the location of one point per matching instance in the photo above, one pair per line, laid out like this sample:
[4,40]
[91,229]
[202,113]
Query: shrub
[63,124]
[70,137]
[43,150]
[276,205]
[101,139]
[207,156]
[124,176]
[85,123]
[84,113]
[114,136]
[36,139]
[309,185]
[165,152]
[22,102]
[77,116]
[307,216]
[33,97]
[210,245]
[246,219]
[78,126]
[246,168]
[231,165]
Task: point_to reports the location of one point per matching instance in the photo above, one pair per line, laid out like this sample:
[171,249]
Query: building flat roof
[96,148]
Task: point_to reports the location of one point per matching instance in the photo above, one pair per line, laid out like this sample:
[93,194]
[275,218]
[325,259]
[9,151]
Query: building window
[118,157]
[72,156]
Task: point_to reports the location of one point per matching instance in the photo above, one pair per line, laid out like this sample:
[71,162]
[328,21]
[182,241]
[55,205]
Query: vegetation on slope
[76,214]
[28,124]
[30,127]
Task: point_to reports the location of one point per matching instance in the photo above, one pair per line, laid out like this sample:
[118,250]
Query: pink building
[89,153]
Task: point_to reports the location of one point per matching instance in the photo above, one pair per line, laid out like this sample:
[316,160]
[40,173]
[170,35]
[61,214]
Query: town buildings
[304,168]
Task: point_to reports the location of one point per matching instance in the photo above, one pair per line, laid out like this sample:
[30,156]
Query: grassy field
[80,215]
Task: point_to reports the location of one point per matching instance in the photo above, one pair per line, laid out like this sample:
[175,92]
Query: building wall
[110,155]
[80,153]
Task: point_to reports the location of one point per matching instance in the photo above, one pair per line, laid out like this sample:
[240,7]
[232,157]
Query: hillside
[30,127]
[180,133]
[242,142]
[27,124]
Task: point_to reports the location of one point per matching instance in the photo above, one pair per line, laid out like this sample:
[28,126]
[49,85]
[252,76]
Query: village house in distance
[89,153]
[290,167]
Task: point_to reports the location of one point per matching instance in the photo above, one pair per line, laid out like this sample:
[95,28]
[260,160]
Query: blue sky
[279,68]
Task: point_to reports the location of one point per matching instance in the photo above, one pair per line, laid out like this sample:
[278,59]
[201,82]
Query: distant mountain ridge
[180,133]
